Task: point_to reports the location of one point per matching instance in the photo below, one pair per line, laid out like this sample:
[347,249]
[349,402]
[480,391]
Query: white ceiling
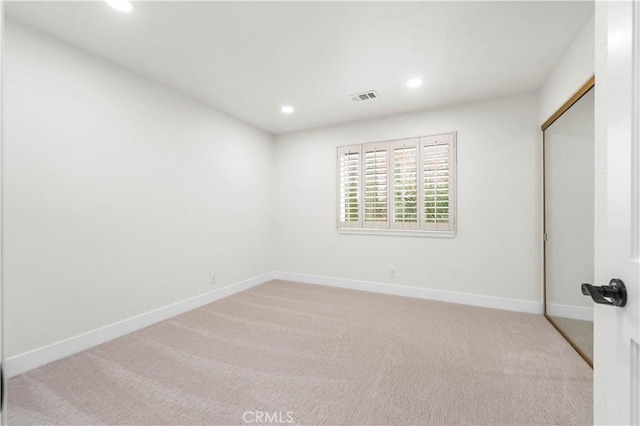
[250,58]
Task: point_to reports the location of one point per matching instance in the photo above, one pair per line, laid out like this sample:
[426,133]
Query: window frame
[389,227]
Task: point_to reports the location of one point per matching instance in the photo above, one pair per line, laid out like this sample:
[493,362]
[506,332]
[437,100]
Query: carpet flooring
[286,352]
[580,332]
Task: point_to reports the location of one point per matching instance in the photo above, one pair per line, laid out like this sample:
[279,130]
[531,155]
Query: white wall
[573,70]
[497,249]
[121,196]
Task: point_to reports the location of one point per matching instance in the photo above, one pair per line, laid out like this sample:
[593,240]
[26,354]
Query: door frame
[590,84]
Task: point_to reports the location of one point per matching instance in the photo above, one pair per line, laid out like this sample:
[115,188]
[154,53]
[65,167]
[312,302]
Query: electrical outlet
[392,272]
[213,277]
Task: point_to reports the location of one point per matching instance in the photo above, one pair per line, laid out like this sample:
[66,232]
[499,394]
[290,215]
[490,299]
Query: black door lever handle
[616,291]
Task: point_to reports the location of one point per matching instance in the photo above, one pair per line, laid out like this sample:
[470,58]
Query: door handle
[2,389]
[616,291]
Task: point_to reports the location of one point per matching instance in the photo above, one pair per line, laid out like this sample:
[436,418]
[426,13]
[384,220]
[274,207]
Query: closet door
[569,221]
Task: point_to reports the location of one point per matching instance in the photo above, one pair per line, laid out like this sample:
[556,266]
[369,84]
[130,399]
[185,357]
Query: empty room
[340,213]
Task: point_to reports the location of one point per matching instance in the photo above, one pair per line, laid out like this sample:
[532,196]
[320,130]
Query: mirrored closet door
[568,218]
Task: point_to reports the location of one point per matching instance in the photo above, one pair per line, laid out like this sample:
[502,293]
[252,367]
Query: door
[2,378]
[623,211]
[568,171]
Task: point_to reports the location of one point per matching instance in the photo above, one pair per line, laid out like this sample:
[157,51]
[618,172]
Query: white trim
[417,292]
[398,232]
[568,311]
[29,360]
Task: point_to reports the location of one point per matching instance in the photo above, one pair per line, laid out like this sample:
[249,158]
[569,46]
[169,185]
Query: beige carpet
[580,332]
[320,355]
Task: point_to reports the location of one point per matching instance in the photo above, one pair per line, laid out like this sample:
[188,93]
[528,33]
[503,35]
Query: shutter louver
[376,185]
[405,184]
[349,186]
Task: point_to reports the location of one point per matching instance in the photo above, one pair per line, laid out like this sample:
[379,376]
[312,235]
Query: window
[399,187]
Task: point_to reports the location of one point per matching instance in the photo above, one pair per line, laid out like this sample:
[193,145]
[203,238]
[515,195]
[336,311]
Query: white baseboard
[568,311]
[417,292]
[27,361]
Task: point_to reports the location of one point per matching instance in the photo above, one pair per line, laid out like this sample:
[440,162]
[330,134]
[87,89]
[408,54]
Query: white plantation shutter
[438,182]
[405,184]
[349,186]
[376,185]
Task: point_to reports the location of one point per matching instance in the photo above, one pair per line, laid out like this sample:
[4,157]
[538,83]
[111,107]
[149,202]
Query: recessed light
[287,109]
[121,5]
[414,82]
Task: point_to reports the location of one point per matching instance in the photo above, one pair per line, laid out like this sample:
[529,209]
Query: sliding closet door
[569,215]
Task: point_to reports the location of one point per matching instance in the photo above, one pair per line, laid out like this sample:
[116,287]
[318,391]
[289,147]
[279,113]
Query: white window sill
[397,232]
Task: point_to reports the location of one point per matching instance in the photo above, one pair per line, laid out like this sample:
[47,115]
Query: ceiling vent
[364,96]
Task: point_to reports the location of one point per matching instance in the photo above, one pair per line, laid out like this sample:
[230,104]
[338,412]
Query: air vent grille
[364,96]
